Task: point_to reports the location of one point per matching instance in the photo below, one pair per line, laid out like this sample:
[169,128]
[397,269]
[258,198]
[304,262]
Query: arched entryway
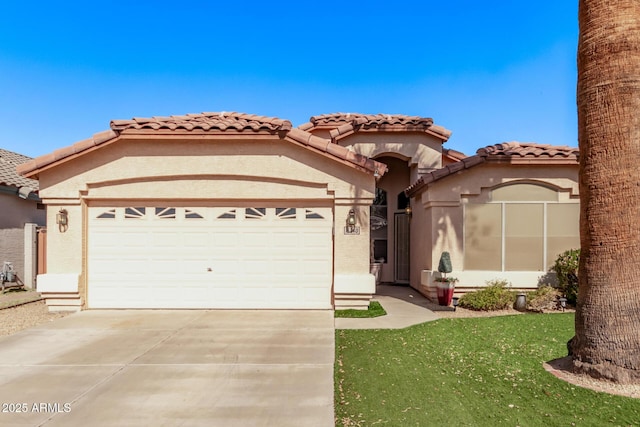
[390,222]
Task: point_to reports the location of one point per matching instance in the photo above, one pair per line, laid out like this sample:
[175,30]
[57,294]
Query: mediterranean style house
[230,210]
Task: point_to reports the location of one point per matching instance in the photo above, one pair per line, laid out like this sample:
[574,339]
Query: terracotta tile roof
[370,120]
[528,150]
[344,124]
[507,152]
[8,175]
[211,123]
[453,155]
[222,121]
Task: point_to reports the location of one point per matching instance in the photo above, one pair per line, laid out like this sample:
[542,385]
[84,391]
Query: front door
[401,247]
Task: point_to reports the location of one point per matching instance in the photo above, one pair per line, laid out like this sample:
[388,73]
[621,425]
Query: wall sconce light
[62,219]
[351,227]
[408,211]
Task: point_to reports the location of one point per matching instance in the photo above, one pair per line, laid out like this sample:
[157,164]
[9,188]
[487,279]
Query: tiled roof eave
[33,167]
[376,123]
[513,160]
[338,152]
[132,129]
[452,169]
[338,135]
[198,132]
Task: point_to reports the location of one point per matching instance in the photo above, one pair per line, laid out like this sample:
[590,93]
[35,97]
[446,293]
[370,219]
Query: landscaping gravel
[15,319]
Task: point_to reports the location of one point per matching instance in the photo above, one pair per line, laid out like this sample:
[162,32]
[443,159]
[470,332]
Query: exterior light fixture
[455,302]
[563,303]
[351,227]
[408,211]
[62,219]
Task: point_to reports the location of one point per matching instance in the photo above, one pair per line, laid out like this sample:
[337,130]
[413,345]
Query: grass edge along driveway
[473,372]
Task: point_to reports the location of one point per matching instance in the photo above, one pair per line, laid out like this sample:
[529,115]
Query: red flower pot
[445,293]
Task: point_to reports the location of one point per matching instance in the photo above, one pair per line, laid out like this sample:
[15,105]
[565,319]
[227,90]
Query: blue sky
[489,71]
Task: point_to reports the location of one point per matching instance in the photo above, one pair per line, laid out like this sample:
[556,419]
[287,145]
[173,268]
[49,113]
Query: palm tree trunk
[607,340]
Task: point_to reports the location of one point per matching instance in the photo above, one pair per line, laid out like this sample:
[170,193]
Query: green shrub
[496,296]
[566,269]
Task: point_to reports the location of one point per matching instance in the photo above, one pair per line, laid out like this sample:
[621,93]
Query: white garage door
[168,257]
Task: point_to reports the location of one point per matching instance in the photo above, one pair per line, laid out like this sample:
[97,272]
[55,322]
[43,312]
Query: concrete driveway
[171,368]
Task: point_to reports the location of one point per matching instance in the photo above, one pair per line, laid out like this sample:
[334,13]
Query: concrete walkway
[404,306]
[171,368]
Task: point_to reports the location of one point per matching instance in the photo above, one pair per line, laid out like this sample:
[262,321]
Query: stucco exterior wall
[470,182]
[16,212]
[206,172]
[420,245]
[64,248]
[439,218]
[422,152]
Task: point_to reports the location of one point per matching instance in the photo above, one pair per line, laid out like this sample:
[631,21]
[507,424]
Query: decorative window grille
[134,213]
[166,213]
[286,213]
[110,214]
[309,214]
[255,213]
[192,215]
[228,215]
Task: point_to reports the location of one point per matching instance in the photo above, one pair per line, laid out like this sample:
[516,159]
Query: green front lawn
[467,372]
[374,310]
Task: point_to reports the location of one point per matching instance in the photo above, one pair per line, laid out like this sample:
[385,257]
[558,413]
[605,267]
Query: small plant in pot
[445,284]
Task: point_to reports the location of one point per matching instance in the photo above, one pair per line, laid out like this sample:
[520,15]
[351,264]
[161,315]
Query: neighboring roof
[8,175]
[222,123]
[507,152]
[344,124]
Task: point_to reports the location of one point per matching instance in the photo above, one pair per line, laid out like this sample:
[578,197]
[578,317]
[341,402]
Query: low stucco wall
[469,281]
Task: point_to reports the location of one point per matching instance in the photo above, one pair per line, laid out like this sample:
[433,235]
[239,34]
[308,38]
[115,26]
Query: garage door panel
[194,239]
[162,239]
[316,240]
[255,239]
[224,239]
[133,239]
[197,265]
[218,258]
[112,267]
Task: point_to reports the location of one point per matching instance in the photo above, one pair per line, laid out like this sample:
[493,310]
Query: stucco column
[30,255]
